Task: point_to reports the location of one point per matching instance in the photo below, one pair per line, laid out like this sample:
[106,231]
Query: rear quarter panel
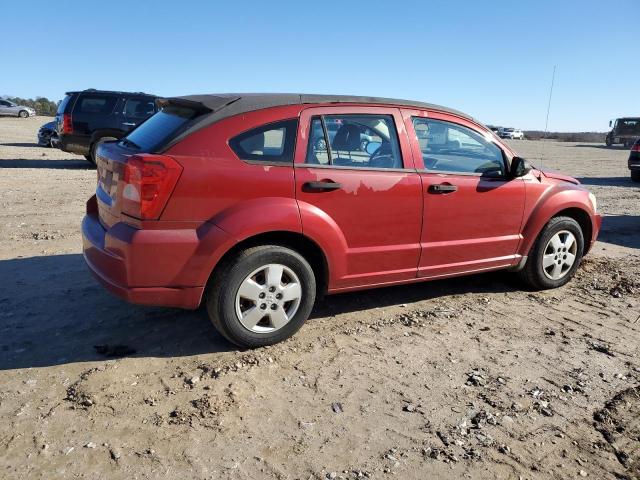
[217,187]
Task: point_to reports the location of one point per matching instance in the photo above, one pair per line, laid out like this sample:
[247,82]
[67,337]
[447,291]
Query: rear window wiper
[128,143]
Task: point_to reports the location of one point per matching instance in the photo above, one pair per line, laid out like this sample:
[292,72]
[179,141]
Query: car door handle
[327,185]
[129,124]
[442,188]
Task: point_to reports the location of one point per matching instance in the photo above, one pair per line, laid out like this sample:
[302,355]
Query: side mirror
[609,123]
[519,167]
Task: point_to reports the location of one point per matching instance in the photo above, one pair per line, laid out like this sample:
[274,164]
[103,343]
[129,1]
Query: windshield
[159,128]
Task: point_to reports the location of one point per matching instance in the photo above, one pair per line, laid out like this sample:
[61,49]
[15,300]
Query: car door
[136,110]
[472,210]
[359,194]
[5,108]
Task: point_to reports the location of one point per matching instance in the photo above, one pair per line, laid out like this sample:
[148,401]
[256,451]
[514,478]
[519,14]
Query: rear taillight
[148,181]
[67,124]
[636,147]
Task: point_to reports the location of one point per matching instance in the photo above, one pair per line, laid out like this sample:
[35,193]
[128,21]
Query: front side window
[357,141]
[451,148]
[96,104]
[268,143]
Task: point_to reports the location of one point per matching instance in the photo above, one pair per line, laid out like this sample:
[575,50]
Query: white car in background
[7,107]
[512,133]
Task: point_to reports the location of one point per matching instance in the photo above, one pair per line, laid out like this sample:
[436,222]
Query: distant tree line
[594,137]
[42,105]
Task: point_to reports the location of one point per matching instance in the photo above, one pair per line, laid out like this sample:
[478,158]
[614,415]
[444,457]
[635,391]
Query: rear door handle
[129,124]
[442,188]
[321,186]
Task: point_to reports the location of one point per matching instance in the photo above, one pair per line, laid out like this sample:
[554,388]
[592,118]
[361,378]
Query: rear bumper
[79,144]
[151,267]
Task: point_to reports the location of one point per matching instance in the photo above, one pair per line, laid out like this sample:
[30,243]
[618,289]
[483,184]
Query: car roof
[218,106]
[110,92]
[256,101]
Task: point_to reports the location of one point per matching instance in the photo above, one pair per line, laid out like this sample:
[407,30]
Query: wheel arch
[295,241]
[98,134]
[584,220]
[541,217]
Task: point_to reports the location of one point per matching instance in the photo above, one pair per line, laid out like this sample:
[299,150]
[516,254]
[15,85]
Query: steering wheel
[383,153]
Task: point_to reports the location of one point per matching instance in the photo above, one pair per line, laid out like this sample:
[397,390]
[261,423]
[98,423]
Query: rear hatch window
[158,130]
[63,104]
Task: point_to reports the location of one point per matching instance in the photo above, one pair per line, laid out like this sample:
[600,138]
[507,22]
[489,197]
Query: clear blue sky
[492,58]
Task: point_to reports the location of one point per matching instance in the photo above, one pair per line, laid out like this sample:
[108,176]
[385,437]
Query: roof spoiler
[194,103]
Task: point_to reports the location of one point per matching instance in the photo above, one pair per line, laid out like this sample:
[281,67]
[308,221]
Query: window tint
[139,107]
[447,147]
[96,104]
[359,141]
[269,143]
[4,104]
[151,134]
[63,104]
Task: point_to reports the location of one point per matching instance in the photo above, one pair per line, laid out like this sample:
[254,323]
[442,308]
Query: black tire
[608,141]
[23,114]
[635,175]
[92,155]
[220,296]
[533,273]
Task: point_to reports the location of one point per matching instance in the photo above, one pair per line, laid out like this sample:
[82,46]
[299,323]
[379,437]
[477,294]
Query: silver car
[9,108]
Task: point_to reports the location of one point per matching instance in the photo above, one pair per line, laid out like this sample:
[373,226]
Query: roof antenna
[546,123]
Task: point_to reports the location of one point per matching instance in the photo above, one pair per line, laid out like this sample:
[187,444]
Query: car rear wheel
[635,175]
[23,114]
[556,254]
[261,296]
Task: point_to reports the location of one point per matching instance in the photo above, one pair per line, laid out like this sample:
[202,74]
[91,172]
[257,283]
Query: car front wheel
[23,114]
[262,296]
[556,254]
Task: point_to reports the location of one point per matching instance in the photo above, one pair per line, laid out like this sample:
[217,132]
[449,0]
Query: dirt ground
[467,378]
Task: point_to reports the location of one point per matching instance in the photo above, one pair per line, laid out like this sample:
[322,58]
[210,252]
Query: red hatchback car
[255,204]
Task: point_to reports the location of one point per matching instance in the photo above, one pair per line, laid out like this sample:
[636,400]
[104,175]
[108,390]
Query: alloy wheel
[559,255]
[268,298]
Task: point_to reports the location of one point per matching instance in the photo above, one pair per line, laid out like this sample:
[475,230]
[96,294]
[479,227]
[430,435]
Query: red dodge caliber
[254,204]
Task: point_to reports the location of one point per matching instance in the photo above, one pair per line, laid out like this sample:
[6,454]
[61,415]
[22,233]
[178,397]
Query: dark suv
[90,117]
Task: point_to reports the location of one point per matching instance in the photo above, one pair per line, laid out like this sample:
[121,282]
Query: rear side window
[96,104]
[268,143]
[139,107]
[354,141]
[158,129]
